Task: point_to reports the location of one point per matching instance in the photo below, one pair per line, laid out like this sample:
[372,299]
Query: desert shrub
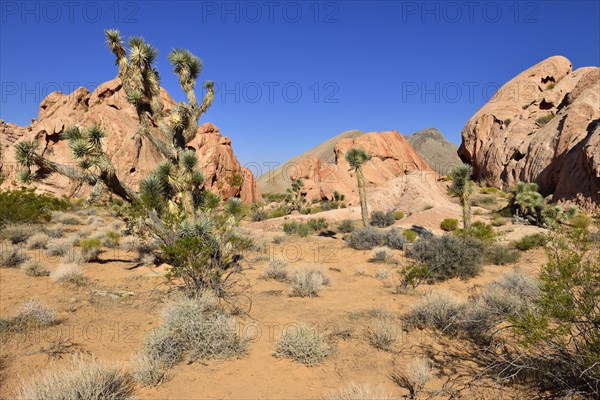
[17,233]
[438,310]
[110,239]
[498,220]
[480,231]
[69,274]
[306,228]
[360,392]
[383,219]
[384,333]
[192,329]
[55,232]
[90,249]
[381,255]
[365,238]
[395,239]
[34,268]
[449,224]
[38,241]
[65,219]
[59,247]
[485,200]
[531,241]
[32,314]
[448,256]
[24,206]
[543,120]
[278,239]
[302,344]
[278,212]
[410,235]
[277,269]
[511,294]
[580,221]
[12,256]
[412,275]
[399,214]
[83,379]
[382,274]
[414,377]
[308,282]
[500,255]
[345,226]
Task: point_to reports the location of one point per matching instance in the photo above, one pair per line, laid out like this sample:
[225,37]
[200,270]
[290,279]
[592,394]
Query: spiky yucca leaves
[463,187]
[356,158]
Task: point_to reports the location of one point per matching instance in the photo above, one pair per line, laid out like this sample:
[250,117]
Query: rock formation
[542,126]
[435,149]
[394,171]
[133,156]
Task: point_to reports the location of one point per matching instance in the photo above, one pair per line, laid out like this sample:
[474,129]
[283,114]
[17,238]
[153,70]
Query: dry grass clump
[303,344]
[32,314]
[308,282]
[12,256]
[384,333]
[65,218]
[382,255]
[90,249]
[108,239]
[37,241]
[361,392]
[34,268]
[382,274]
[56,231]
[144,249]
[83,379]
[511,294]
[192,329]
[277,270]
[17,233]
[59,247]
[414,377]
[438,310]
[69,274]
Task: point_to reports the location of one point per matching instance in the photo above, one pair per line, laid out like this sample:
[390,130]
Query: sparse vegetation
[480,231]
[361,392]
[414,377]
[34,268]
[17,233]
[90,249]
[32,314]
[304,229]
[381,255]
[37,241]
[395,239]
[383,219]
[438,310]
[383,333]
[500,255]
[277,270]
[543,120]
[531,241]
[365,238]
[69,274]
[12,256]
[303,344]
[345,226]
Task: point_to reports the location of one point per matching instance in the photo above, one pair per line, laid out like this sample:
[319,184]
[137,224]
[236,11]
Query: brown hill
[435,149]
[542,126]
[133,156]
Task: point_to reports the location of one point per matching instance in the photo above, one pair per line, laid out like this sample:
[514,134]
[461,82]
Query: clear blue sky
[298,72]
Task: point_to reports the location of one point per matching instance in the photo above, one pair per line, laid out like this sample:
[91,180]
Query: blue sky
[291,74]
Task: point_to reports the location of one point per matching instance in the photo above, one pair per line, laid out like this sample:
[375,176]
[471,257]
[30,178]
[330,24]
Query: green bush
[448,256]
[399,214]
[383,219]
[531,241]
[542,121]
[366,239]
[25,206]
[410,235]
[480,231]
[449,224]
[304,229]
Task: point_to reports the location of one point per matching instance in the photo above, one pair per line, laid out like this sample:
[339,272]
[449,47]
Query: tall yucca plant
[356,158]
[463,187]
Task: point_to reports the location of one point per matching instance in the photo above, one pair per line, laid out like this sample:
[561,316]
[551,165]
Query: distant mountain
[277,181]
[435,149]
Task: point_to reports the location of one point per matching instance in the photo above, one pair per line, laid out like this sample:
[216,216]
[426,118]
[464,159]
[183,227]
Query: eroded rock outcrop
[542,126]
[133,156]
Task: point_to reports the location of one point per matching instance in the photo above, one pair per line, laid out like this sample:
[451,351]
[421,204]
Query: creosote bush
[83,379]
[308,282]
[448,256]
[303,344]
[449,224]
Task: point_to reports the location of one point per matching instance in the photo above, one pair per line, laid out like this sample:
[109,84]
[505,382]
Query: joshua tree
[526,201]
[294,196]
[463,187]
[172,200]
[356,157]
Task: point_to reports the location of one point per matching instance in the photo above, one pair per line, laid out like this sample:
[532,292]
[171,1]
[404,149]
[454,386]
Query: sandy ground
[113,328]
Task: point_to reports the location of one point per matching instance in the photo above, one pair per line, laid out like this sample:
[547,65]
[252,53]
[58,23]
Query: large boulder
[542,126]
[133,156]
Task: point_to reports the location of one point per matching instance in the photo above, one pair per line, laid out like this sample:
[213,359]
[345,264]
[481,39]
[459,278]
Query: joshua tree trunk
[466,206]
[363,196]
